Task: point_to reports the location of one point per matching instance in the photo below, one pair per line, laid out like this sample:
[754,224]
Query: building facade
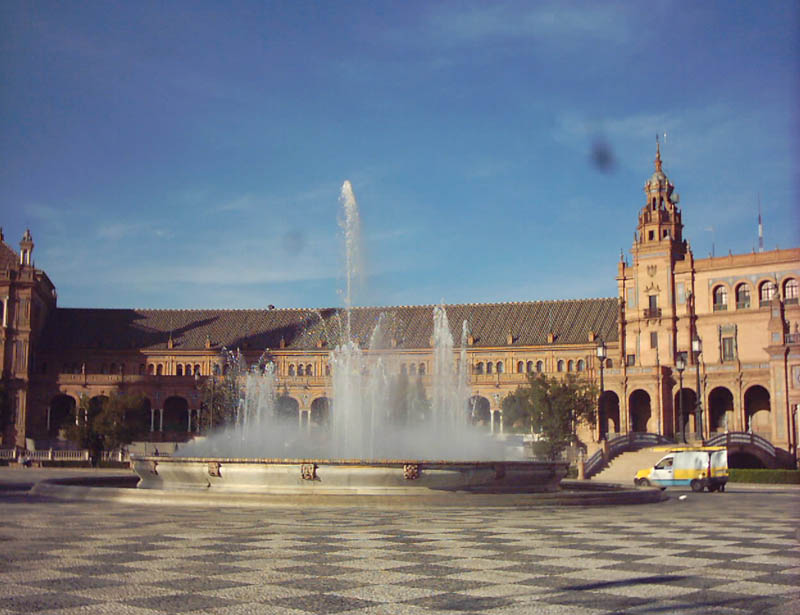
[689,346]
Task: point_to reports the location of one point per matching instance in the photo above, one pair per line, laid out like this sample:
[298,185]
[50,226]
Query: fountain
[375,444]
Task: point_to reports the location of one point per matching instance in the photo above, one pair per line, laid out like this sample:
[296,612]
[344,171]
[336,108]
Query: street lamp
[601,361]
[697,348]
[680,365]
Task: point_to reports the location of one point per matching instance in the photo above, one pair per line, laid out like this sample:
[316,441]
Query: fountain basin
[346,476]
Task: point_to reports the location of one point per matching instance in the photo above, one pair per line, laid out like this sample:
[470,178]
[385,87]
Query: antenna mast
[760,227]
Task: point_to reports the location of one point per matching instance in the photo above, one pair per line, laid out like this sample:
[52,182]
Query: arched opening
[176,414]
[581,365]
[640,413]
[489,367]
[96,405]
[421,370]
[608,414]
[179,370]
[790,291]
[139,418]
[309,370]
[479,367]
[539,367]
[301,370]
[720,298]
[742,297]
[520,367]
[570,365]
[412,369]
[151,369]
[529,367]
[757,411]
[320,411]
[160,369]
[501,368]
[685,424]
[745,460]
[62,411]
[720,408]
[560,365]
[287,408]
[479,410]
[197,369]
[766,291]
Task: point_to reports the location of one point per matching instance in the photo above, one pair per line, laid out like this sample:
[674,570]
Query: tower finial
[658,154]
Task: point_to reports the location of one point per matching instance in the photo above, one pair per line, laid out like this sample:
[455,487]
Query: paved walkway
[734,552]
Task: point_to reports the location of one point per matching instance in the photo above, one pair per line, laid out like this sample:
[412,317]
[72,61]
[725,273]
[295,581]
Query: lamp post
[601,360]
[680,365]
[697,348]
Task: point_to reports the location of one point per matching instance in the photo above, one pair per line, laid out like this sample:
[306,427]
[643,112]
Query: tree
[220,398]
[553,408]
[100,423]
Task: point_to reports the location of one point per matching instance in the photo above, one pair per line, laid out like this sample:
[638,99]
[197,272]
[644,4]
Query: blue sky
[190,154]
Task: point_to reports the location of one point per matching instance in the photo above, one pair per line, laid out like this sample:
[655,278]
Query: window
[766,292]
[479,368]
[500,367]
[291,370]
[653,339]
[560,366]
[630,360]
[520,367]
[581,365]
[150,369]
[652,301]
[720,299]
[742,297]
[301,370]
[529,367]
[609,363]
[160,370]
[188,369]
[489,367]
[539,367]
[570,365]
[728,349]
[651,235]
[197,369]
[179,370]
[421,369]
[309,370]
[790,292]
[412,369]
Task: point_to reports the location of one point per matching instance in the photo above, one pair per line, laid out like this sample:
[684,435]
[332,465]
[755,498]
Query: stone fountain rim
[451,463]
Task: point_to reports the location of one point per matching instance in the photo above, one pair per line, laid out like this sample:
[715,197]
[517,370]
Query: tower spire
[658,154]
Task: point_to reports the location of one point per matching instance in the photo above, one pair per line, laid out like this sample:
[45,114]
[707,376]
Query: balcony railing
[652,312]
[720,307]
[742,305]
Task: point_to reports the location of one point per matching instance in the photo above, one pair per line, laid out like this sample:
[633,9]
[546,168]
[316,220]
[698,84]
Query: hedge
[786,477]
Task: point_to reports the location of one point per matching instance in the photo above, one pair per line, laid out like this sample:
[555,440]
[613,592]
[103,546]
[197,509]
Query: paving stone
[70,558]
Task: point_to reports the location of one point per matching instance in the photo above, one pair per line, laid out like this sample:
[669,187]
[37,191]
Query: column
[189,420]
[152,419]
[161,419]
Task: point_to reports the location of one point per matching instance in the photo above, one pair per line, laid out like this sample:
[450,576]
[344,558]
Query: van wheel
[696,485]
[643,482]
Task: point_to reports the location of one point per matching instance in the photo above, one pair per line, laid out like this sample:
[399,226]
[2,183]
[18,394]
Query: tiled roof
[303,329]
[8,258]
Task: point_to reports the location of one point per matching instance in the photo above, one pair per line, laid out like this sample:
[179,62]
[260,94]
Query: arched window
[291,370]
[766,292]
[520,367]
[529,367]
[179,370]
[412,369]
[151,369]
[742,297]
[489,367]
[479,368]
[609,363]
[560,365]
[790,291]
[188,369]
[309,370]
[197,369]
[501,368]
[720,298]
[539,367]
[301,370]
[160,369]
[403,368]
[421,369]
[570,365]
[581,365]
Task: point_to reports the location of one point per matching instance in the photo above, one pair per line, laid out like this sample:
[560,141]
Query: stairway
[623,468]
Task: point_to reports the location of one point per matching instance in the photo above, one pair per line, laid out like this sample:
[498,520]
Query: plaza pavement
[734,552]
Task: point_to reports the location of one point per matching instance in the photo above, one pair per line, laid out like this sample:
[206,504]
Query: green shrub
[785,477]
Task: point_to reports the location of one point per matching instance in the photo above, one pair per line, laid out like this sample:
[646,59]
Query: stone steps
[624,467]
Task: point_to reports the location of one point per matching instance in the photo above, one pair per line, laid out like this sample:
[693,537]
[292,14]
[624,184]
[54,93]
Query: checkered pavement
[712,553]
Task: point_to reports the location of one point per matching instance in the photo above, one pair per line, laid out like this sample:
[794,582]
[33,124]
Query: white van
[698,468]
